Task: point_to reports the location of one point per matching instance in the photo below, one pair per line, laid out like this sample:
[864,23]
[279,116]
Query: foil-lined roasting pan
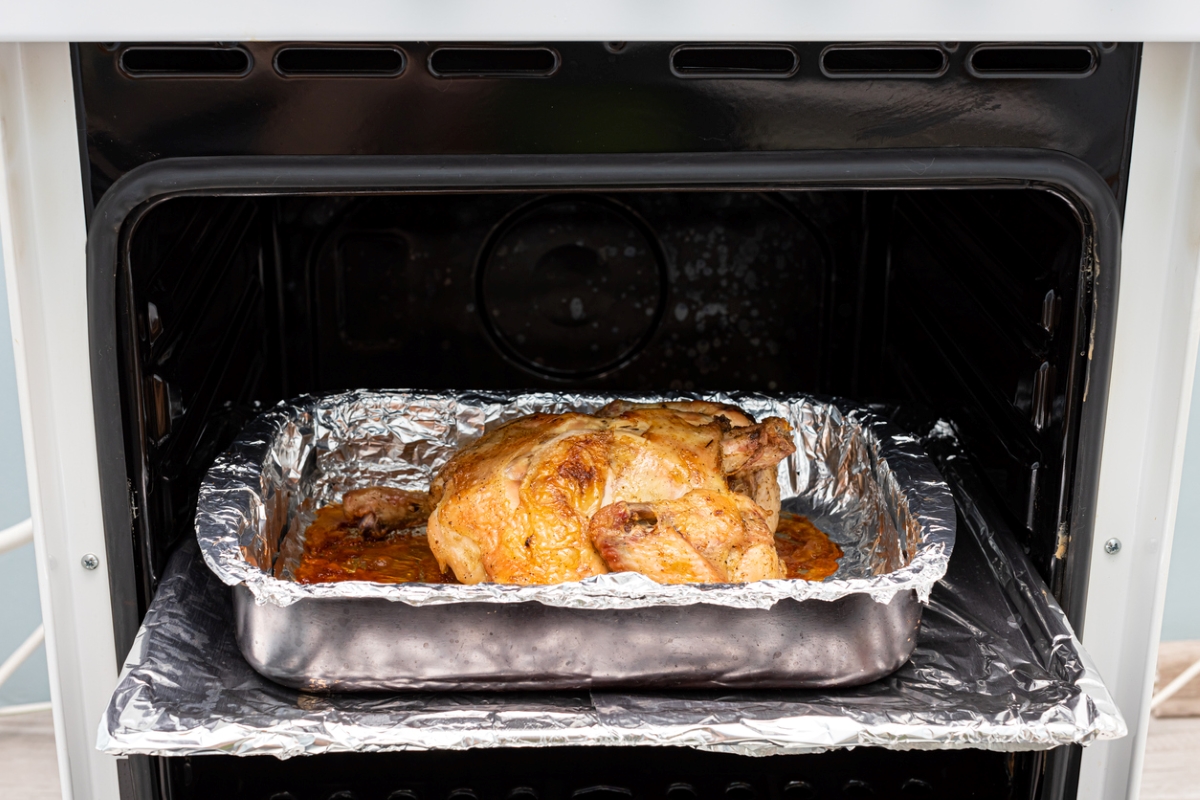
[857,477]
[996,666]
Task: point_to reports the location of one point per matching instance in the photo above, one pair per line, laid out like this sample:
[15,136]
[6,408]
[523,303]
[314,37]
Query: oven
[935,229]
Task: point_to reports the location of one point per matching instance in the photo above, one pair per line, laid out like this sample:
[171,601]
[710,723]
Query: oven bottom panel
[995,666]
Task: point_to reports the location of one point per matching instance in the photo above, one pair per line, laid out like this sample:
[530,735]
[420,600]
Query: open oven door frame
[145,187]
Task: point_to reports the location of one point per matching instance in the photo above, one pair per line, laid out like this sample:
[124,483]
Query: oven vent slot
[1032,61]
[185,62]
[481,62]
[883,61]
[314,62]
[734,61]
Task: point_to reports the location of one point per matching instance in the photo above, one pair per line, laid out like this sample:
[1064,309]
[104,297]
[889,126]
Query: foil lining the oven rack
[856,476]
[996,666]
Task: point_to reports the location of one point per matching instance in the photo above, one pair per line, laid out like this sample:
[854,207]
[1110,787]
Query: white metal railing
[1172,688]
[17,535]
[10,539]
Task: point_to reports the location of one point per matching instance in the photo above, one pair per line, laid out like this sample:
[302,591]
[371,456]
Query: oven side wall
[43,230]
[1149,396]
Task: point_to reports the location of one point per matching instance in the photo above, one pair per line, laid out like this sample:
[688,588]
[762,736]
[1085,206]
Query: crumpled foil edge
[746,737]
[257,481]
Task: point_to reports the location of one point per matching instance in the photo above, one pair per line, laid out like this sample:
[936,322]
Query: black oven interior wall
[967,305]
[962,303]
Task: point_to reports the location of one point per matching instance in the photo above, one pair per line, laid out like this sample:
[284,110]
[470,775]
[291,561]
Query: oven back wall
[650,291]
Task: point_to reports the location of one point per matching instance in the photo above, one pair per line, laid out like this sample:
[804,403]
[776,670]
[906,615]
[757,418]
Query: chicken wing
[378,509]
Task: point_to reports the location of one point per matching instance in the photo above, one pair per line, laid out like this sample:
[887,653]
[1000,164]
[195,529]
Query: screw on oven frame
[90,561]
[1112,546]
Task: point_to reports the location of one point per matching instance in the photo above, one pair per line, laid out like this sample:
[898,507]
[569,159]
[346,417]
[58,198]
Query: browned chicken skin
[522,505]
[632,537]
[703,537]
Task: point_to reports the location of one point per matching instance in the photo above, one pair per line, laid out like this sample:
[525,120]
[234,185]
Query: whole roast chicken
[681,492]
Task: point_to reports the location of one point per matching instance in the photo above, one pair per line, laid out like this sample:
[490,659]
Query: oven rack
[996,666]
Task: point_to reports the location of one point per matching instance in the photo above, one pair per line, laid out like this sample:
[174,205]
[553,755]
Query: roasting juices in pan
[681,492]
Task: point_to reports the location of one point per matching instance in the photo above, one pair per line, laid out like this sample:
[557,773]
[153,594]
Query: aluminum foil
[862,481]
[996,666]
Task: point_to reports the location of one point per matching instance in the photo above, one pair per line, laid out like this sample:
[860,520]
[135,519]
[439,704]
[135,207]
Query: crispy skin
[630,539]
[761,486]
[750,453]
[705,536]
[754,558]
[732,414]
[515,506]
[756,447]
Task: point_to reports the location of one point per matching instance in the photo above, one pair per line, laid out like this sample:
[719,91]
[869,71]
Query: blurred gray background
[18,577]
[1181,620]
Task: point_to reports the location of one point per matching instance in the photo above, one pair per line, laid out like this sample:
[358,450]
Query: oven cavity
[917,227]
[965,302]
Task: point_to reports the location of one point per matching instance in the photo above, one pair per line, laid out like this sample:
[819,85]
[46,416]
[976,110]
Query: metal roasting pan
[856,476]
[343,644]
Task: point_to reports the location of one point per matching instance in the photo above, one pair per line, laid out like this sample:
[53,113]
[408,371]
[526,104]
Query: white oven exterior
[43,233]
